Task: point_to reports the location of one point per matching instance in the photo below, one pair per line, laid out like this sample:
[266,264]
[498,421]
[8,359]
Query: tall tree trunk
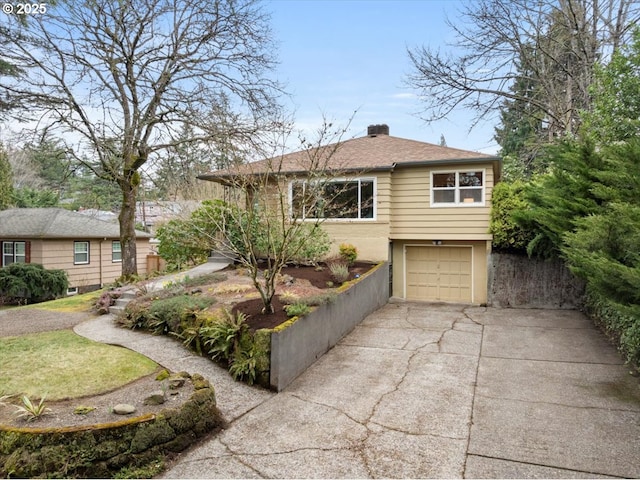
[127,220]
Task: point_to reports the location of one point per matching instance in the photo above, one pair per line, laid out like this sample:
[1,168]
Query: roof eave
[422,163]
[228,179]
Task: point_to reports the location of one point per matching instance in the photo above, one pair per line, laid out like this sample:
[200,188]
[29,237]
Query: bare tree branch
[124,77]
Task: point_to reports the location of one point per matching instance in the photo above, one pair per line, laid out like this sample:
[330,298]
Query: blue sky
[337,57]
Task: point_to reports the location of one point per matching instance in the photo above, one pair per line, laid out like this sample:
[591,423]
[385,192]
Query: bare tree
[124,77]
[556,43]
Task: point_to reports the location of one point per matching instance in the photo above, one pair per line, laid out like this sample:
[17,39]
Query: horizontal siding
[58,254]
[370,238]
[413,217]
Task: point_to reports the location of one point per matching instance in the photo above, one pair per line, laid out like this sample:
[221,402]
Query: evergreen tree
[558,198]
[6,180]
[615,113]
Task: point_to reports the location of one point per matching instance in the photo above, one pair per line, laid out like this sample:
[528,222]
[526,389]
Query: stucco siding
[413,217]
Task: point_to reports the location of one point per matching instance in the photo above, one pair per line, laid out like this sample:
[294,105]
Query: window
[116,251]
[80,253]
[457,188]
[334,199]
[14,252]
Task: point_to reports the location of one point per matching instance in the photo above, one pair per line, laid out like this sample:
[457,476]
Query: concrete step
[116,309]
[122,301]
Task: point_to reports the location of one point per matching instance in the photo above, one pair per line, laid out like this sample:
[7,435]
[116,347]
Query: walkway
[425,390]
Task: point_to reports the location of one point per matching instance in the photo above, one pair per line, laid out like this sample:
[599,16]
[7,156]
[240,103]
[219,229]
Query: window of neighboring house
[116,251]
[461,188]
[334,199]
[80,253]
[14,252]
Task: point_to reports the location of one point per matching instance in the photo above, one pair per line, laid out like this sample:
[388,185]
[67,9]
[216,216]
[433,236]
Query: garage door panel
[438,273]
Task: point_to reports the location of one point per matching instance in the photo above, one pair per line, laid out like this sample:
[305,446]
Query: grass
[63,365]
[75,303]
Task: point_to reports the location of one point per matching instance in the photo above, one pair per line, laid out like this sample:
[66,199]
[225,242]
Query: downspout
[100,269]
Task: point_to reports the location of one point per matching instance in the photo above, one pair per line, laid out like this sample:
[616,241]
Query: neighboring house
[104,215]
[151,213]
[86,248]
[423,207]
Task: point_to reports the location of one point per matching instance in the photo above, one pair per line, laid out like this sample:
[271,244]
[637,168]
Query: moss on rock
[103,451]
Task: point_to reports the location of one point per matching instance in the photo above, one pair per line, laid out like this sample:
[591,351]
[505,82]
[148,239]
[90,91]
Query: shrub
[297,309]
[620,323]
[166,315]
[223,336]
[310,244]
[508,235]
[320,299]
[348,253]
[22,283]
[163,311]
[339,271]
[288,298]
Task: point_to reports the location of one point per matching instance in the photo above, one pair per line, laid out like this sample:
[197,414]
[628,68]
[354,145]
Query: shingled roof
[55,223]
[373,152]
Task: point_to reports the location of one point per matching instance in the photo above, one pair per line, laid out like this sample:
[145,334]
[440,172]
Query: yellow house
[86,248]
[422,207]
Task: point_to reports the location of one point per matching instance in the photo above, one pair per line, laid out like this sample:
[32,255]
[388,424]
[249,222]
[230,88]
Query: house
[422,207]
[151,213]
[86,248]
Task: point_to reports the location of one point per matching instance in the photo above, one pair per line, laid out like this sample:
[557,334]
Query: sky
[337,57]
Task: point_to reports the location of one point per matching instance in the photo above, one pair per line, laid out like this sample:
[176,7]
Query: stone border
[298,343]
[101,451]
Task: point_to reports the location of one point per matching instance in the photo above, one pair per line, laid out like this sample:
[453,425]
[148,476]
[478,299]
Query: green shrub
[163,312]
[310,244]
[229,340]
[620,322]
[348,252]
[297,309]
[23,283]
[166,315]
[223,336]
[508,235]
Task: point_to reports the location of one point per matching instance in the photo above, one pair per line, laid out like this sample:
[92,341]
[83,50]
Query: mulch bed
[318,278]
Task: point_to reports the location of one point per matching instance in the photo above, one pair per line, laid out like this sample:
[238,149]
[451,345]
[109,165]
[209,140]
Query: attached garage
[439,273]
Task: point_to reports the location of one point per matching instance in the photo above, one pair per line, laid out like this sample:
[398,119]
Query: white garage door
[438,273]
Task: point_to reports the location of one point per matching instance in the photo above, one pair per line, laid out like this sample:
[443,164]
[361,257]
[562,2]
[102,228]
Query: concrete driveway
[433,391]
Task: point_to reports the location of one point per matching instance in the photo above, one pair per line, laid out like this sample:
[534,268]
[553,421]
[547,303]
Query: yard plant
[22,283]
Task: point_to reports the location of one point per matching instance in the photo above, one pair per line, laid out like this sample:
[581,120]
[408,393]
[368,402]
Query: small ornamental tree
[23,283]
[271,220]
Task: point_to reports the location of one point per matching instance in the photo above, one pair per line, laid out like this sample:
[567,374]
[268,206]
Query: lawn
[61,364]
[75,303]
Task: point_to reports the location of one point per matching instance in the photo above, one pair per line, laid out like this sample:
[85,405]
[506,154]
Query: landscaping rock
[124,409]
[156,398]
[175,383]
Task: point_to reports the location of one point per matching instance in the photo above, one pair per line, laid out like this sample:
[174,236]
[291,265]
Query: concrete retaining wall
[300,344]
[518,281]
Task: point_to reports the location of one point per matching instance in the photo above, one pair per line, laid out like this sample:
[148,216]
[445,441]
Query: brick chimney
[375,130]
